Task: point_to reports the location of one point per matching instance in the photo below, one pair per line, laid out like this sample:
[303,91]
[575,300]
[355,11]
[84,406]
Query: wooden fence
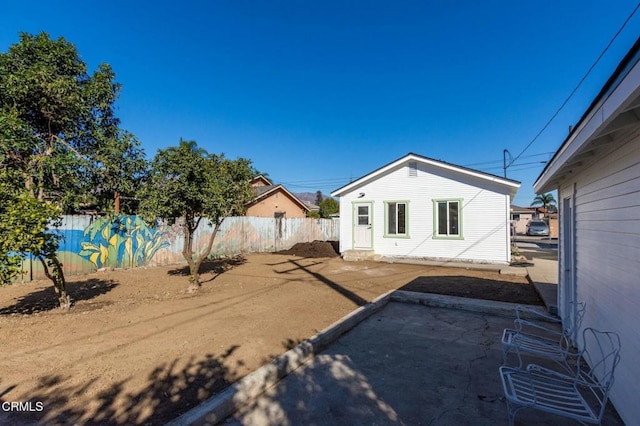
[94,242]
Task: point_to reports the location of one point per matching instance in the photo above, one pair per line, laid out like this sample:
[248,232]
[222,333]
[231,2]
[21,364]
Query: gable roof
[518,209]
[260,190]
[616,107]
[265,191]
[312,207]
[260,179]
[512,185]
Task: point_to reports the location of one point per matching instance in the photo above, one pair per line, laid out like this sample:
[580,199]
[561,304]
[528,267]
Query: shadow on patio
[406,364]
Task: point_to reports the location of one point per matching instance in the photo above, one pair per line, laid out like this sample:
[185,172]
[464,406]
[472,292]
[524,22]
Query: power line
[578,85]
[539,163]
[326,180]
[500,161]
[315,183]
[520,168]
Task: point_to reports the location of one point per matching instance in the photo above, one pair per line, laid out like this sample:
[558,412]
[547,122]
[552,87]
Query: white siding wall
[484,215]
[607,231]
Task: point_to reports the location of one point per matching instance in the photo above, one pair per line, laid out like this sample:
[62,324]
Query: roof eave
[274,189]
[619,92]
[512,184]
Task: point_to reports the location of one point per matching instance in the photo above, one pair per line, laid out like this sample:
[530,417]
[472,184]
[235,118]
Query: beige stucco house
[274,201]
[521,216]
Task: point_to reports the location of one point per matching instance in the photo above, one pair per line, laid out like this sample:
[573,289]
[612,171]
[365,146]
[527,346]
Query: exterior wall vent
[413,168]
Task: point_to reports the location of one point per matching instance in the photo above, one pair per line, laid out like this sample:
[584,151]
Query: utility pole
[504,161]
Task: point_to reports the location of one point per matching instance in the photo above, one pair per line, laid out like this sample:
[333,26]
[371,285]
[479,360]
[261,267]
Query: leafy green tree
[187,182]
[329,206]
[118,168]
[58,127]
[547,201]
[60,147]
[25,225]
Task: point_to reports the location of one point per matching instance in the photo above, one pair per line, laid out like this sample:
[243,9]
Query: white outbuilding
[420,208]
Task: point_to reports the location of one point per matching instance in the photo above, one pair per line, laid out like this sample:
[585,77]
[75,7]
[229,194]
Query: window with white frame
[396,218]
[447,218]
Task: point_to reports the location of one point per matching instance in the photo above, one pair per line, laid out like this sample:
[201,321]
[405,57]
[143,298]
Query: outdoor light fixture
[360,195]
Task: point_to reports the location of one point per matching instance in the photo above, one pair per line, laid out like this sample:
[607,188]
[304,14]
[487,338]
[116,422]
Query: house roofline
[522,209]
[255,178]
[624,68]
[272,190]
[514,184]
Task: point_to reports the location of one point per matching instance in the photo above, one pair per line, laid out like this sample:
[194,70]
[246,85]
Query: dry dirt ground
[136,348]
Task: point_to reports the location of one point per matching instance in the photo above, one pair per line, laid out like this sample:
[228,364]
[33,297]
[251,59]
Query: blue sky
[320,92]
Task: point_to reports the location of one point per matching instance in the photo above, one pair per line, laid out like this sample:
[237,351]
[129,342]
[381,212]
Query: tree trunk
[194,278]
[56,275]
[194,263]
[187,251]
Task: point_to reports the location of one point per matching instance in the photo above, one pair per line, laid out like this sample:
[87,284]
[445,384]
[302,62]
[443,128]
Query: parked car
[538,227]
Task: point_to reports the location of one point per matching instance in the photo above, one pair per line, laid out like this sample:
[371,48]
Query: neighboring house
[274,201]
[597,174]
[417,207]
[312,207]
[521,216]
[552,220]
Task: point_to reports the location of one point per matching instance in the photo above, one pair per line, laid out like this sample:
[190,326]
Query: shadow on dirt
[172,389]
[45,299]
[353,297]
[214,266]
[476,288]
[287,345]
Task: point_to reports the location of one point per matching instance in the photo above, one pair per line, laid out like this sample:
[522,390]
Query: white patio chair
[582,396]
[538,338]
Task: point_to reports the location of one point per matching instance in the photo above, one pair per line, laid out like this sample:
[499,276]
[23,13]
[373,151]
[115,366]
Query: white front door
[362,228]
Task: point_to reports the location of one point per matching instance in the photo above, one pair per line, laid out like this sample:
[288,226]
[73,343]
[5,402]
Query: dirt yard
[136,348]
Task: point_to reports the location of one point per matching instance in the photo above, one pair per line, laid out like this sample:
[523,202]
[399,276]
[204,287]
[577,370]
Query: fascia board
[601,116]
[512,185]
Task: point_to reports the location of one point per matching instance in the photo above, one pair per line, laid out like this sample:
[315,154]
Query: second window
[396,218]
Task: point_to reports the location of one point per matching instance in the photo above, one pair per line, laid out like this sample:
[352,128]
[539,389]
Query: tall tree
[60,144]
[58,126]
[329,206]
[319,197]
[547,201]
[188,183]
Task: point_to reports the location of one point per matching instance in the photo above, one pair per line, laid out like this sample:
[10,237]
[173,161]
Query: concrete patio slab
[404,364]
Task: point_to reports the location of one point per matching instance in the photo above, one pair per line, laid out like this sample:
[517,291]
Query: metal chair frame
[537,338]
[582,396]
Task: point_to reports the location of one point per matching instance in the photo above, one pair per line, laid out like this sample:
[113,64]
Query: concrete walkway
[544,276]
[543,273]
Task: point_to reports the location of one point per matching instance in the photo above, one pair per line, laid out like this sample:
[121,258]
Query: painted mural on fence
[121,242]
[90,243]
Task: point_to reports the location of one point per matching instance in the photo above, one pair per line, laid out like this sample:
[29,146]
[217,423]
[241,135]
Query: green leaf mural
[121,242]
